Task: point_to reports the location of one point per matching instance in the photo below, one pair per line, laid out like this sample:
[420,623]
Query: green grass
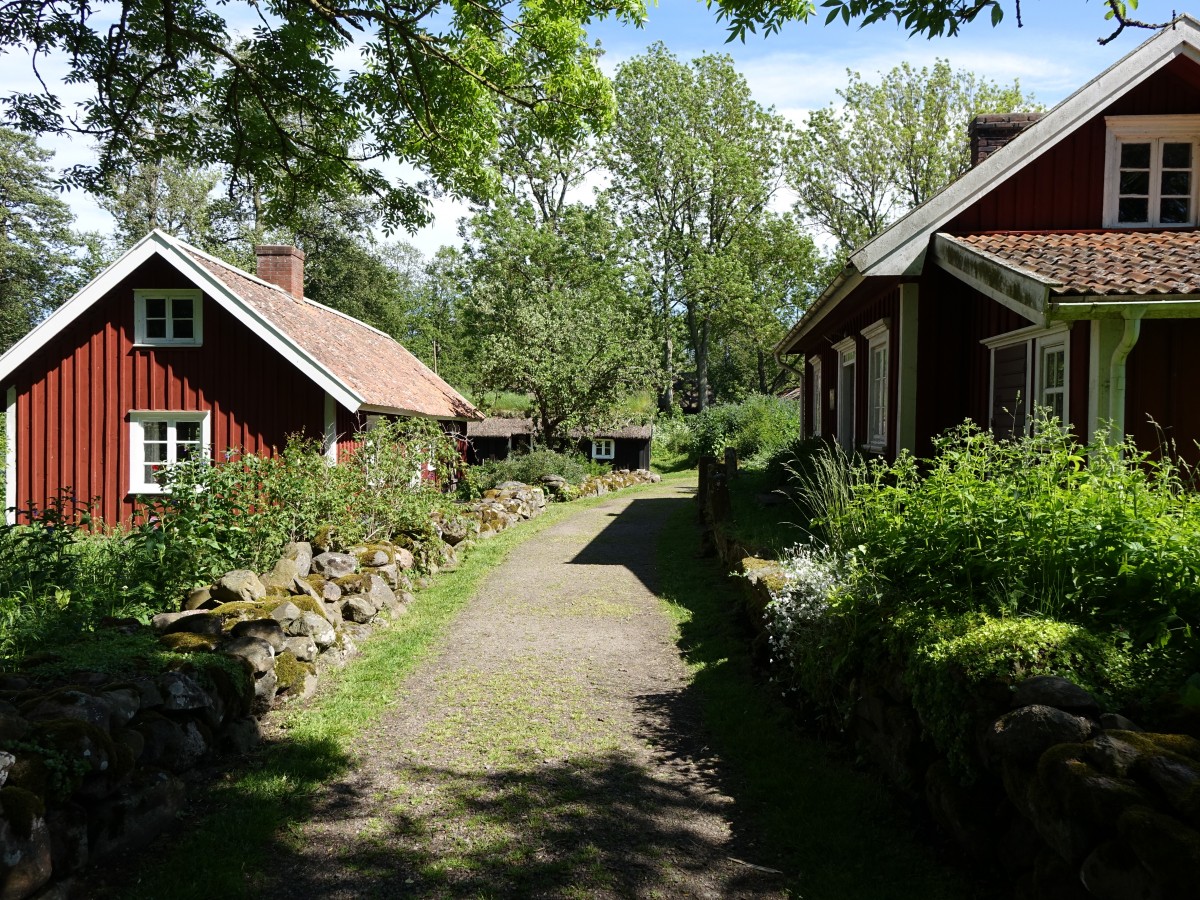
[254,809]
[834,832]
[766,529]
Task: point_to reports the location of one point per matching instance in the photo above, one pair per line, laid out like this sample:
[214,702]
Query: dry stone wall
[1070,802]
[99,766]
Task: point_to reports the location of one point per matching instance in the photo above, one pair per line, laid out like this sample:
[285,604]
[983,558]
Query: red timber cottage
[170,351]
[1062,270]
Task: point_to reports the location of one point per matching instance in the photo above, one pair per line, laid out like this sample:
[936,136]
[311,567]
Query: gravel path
[549,748]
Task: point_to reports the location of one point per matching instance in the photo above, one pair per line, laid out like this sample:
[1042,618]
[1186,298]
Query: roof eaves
[1173,306]
[900,249]
[373,408]
[841,286]
[1022,291]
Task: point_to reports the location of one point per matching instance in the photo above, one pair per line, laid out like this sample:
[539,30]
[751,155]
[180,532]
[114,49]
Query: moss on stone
[309,604]
[1183,744]
[315,581]
[352,584]
[323,539]
[21,808]
[291,672]
[1167,847]
[30,773]
[277,590]
[245,609]
[186,642]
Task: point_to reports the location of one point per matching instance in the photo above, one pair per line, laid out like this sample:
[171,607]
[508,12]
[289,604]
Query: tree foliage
[547,314]
[42,260]
[694,163]
[889,146]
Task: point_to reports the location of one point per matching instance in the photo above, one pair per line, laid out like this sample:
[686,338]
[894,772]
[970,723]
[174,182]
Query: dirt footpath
[549,748]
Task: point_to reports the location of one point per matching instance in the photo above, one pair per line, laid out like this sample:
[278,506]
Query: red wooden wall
[1161,375]
[74,396]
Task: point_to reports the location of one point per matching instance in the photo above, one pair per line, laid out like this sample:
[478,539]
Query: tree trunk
[666,397]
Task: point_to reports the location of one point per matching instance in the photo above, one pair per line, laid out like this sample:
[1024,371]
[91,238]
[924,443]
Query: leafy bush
[992,562]
[530,467]
[758,428]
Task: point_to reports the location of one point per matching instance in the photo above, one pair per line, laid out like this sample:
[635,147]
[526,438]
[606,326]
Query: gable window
[158,440]
[168,318]
[877,384]
[1151,171]
[604,448]
[815,397]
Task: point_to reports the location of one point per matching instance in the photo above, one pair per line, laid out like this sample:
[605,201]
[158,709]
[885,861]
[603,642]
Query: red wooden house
[171,351]
[1062,270]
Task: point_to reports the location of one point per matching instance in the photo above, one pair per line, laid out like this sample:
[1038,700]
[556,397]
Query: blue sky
[801,67]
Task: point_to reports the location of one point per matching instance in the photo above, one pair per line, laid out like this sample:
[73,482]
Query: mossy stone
[324,540]
[353,584]
[30,773]
[186,642]
[309,604]
[246,609]
[277,590]
[21,808]
[1167,847]
[291,672]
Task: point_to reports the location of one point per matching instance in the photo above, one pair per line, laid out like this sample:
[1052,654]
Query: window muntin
[604,448]
[168,318]
[1052,378]
[1151,171]
[159,440]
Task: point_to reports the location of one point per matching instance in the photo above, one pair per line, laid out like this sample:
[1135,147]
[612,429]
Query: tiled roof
[499,427]
[369,362]
[1098,264]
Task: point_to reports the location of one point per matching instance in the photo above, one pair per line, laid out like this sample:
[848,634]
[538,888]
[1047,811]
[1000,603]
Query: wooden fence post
[731,462]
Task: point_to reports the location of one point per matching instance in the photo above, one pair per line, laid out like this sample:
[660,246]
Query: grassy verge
[252,809]
[835,832]
[769,528]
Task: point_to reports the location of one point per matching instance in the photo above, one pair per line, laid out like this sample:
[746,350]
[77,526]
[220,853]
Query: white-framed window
[158,440]
[815,396]
[1150,171]
[877,336]
[847,351]
[604,448]
[168,318]
[1030,368]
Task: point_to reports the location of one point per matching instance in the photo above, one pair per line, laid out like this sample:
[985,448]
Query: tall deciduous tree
[887,147]
[42,261]
[695,163]
[547,314]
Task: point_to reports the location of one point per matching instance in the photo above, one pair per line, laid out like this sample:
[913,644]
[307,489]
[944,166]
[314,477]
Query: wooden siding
[74,396]
[850,318]
[1064,188]
[1160,395]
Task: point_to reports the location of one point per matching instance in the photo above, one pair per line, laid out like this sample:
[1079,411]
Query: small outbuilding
[627,447]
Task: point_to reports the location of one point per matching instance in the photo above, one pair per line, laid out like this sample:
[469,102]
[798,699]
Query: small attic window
[1151,171]
[168,318]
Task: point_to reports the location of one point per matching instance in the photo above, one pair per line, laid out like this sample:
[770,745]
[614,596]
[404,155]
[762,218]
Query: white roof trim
[900,250]
[1021,291]
[177,254]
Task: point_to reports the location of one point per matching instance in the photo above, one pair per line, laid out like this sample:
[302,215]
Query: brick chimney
[989,133]
[281,265]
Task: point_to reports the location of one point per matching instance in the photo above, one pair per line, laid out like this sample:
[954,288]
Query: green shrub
[758,428]
[530,467]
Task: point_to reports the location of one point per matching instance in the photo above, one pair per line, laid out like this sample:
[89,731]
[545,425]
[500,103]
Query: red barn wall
[1160,377]
[75,393]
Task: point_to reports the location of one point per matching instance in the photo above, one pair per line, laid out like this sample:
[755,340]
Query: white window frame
[1155,130]
[140,339]
[604,448]
[137,443]
[847,351]
[818,408]
[878,335]
[1036,339]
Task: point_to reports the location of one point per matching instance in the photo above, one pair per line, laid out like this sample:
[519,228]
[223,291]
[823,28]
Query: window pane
[156,308]
[181,308]
[183,329]
[1176,211]
[1135,183]
[1133,209]
[156,453]
[1177,156]
[1177,184]
[156,328]
[1135,156]
[187,431]
[154,431]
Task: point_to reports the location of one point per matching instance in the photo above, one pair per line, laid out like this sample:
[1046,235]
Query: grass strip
[835,832]
[254,809]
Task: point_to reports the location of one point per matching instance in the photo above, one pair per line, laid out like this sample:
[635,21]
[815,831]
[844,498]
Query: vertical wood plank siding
[1064,188]
[1160,395]
[75,394]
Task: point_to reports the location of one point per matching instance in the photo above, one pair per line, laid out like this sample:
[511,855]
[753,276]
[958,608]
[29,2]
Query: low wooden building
[171,352]
[627,447]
